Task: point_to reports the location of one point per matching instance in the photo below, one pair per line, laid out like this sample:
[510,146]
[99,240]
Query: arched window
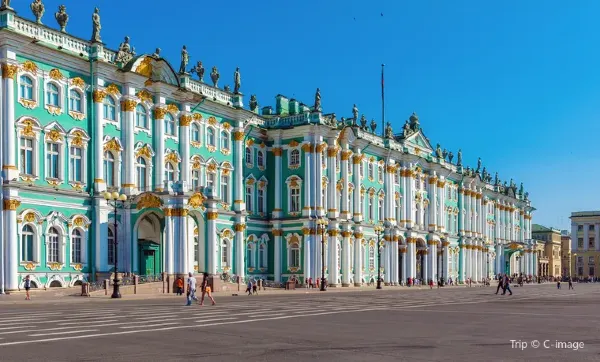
[363,255]
[295,255]
[249,197]
[195,179]
[224,140]
[294,199]
[169,125]
[260,200]
[249,156]
[224,253]
[26,88]
[210,136]
[76,246]
[52,251]
[371,257]
[339,256]
[141,173]
[362,168]
[76,163]
[380,174]
[169,172]
[260,160]
[27,154]
[52,95]
[112,250]
[371,171]
[196,252]
[418,182]
[109,169]
[52,160]
[262,256]
[75,101]
[294,158]
[225,188]
[380,209]
[371,208]
[141,117]
[250,256]
[110,110]
[27,243]
[195,132]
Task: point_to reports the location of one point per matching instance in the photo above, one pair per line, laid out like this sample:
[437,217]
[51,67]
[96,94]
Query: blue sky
[515,83]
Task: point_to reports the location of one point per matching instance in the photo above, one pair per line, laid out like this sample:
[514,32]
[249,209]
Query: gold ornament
[185,120]
[159,112]
[250,142]
[9,71]
[99,95]
[54,136]
[30,217]
[145,67]
[196,200]
[171,157]
[212,168]
[148,200]
[238,135]
[78,82]
[212,121]
[172,108]
[128,105]
[197,116]
[112,145]
[78,221]
[30,67]
[212,215]
[226,126]
[77,139]
[144,96]
[27,131]
[11,204]
[277,151]
[56,74]
[112,89]
[144,151]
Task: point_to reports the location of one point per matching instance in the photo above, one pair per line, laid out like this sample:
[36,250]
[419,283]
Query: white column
[358,209]
[318,176]
[480,215]
[462,211]
[332,264]
[100,228]
[442,217]
[211,236]
[184,148]
[169,248]
[433,261]
[404,276]
[128,107]
[358,256]
[586,236]
[385,260]
[11,249]
[445,259]
[159,147]
[240,246]
[190,225]
[332,199]
[411,258]
[462,262]
[9,165]
[346,234]
[277,235]
[239,203]
[307,254]
[308,149]
[277,153]
[405,198]
[426,267]
[344,207]
[99,183]
[410,205]
[433,224]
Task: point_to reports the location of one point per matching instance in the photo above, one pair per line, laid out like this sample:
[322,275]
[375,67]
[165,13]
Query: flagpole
[382,103]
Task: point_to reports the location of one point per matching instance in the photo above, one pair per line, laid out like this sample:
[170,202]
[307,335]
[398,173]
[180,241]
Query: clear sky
[515,83]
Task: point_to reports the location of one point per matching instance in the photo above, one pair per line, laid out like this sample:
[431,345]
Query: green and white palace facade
[216,187]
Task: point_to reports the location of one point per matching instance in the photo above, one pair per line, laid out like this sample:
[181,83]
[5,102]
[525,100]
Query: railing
[272,284]
[51,36]
[97,285]
[209,91]
[142,279]
[123,281]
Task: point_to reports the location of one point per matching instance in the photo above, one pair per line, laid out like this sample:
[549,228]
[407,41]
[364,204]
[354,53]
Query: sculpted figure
[355,112]
[389,132]
[438,151]
[125,53]
[37,8]
[214,76]
[459,158]
[406,129]
[156,54]
[478,164]
[237,81]
[450,156]
[318,100]
[96,26]
[5,4]
[521,189]
[199,69]
[253,103]
[373,125]
[363,122]
[185,58]
[62,18]
[227,88]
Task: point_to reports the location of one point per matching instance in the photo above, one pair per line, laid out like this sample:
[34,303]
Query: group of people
[191,289]
[504,283]
[570,280]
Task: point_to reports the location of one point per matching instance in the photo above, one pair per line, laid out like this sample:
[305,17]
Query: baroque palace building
[213,186]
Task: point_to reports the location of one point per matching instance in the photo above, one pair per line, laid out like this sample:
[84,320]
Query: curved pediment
[155,69]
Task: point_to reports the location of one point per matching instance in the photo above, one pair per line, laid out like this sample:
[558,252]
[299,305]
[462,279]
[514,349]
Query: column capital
[159,112]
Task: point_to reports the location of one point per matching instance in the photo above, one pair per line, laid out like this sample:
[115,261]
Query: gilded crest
[148,200]
[30,67]
[54,136]
[56,74]
[144,96]
[79,221]
[145,67]
[55,266]
[27,131]
[112,145]
[197,116]
[212,168]
[30,217]
[212,121]
[78,139]
[112,89]
[144,151]
[196,201]
[171,157]
[29,266]
[172,108]
[78,82]
[293,143]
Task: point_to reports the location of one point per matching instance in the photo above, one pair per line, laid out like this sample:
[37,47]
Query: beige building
[585,243]
[565,252]
[548,250]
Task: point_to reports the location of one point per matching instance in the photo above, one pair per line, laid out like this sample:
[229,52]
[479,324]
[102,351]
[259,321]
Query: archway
[421,261]
[197,249]
[148,232]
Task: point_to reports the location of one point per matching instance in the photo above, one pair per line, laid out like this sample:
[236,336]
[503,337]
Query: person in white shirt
[191,289]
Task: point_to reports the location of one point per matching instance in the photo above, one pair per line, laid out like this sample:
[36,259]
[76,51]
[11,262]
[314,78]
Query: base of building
[332,285]
[358,284]
[345,284]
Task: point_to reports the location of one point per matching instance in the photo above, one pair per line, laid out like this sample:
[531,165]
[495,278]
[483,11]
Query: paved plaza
[390,325]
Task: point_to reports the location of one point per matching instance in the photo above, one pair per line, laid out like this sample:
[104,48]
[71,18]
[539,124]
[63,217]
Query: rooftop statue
[450,156]
[355,113]
[253,103]
[227,88]
[527,196]
[37,8]
[478,164]
[496,180]
[389,132]
[373,125]
[125,53]
[468,171]
[62,18]
[521,189]
[5,4]
[406,130]
[444,154]
[214,76]
[185,58]
[484,173]
[96,26]
[414,122]
[237,81]
[438,151]
[317,100]
[333,120]
[199,69]
[512,183]
[459,158]
[363,122]
[156,54]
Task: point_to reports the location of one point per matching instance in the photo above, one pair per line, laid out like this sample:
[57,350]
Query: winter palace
[212,183]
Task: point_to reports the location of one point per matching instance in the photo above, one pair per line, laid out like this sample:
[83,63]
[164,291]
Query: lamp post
[322,225]
[379,231]
[115,199]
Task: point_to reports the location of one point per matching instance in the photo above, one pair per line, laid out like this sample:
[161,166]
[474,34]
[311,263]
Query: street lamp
[322,225]
[379,231]
[115,199]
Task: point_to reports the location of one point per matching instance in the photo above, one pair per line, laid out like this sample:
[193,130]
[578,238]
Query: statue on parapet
[237,81]
[62,18]
[389,132]
[227,88]
[373,126]
[512,184]
[526,196]
[317,107]
[5,4]
[253,103]
[406,129]
[125,53]
[478,164]
[185,58]
[156,54]
[363,122]
[414,122]
[438,151]
[444,154]
[496,180]
[199,70]
[37,8]
[459,158]
[96,26]
[450,156]
[521,189]
[355,113]
[214,76]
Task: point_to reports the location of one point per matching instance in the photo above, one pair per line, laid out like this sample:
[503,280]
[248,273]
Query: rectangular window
[52,160]
[195,179]
[249,198]
[249,258]
[261,200]
[580,243]
[371,209]
[75,165]
[579,227]
[225,189]
[380,209]
[210,180]
[591,243]
[591,227]
[26,156]
[295,199]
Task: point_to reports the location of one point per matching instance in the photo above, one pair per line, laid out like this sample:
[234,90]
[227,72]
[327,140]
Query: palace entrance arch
[148,235]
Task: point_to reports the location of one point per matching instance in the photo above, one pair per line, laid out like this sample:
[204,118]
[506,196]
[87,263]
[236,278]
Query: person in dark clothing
[506,285]
[571,284]
[500,285]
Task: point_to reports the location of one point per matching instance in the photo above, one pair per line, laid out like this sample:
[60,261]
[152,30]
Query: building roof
[537,228]
[585,213]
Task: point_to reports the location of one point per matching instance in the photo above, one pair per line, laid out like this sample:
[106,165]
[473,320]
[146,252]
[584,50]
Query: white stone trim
[35,91]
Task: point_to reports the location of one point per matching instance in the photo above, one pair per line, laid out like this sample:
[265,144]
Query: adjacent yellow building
[585,243]
[548,248]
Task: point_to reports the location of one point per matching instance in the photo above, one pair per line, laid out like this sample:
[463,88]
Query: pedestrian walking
[557,283]
[180,286]
[206,290]
[500,285]
[506,285]
[571,283]
[191,289]
[27,286]
[254,288]
[249,287]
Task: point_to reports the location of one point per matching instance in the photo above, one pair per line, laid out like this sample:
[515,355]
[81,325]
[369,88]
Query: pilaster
[332,199]
[309,177]
[99,183]
[185,119]
[159,146]
[277,153]
[332,264]
[240,247]
[358,206]
[358,256]
[277,256]
[11,249]
[344,207]
[346,262]
[239,203]
[9,165]
[128,105]
[211,233]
